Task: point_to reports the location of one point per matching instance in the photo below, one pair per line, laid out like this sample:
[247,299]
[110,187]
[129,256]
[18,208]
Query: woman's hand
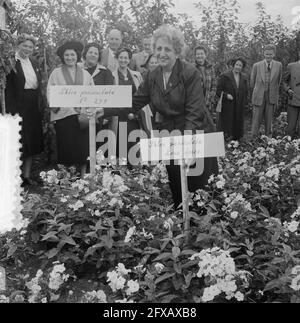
[99,112]
[92,112]
[189,162]
[229,97]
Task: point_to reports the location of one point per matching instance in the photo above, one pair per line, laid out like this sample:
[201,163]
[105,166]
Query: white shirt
[29,73]
[112,61]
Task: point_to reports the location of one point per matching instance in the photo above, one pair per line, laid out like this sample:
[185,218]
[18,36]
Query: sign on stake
[97,96]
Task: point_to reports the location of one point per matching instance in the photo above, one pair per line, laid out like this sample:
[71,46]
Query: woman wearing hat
[72,139]
[23,96]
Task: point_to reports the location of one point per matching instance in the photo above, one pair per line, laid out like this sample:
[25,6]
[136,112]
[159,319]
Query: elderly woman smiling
[174,90]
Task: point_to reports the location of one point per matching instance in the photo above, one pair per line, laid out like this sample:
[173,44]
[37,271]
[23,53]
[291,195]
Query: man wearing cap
[108,58]
[265,81]
[291,84]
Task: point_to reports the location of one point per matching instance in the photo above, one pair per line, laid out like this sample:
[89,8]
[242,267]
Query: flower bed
[118,229]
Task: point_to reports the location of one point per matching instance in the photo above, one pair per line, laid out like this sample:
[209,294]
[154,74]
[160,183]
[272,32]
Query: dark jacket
[231,119]
[209,84]
[14,91]
[101,75]
[182,104]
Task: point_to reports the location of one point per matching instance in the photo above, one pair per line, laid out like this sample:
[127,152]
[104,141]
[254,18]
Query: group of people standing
[233,93]
[168,94]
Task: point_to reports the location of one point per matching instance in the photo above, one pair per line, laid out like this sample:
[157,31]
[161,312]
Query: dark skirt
[122,153]
[231,121]
[72,142]
[194,182]
[31,131]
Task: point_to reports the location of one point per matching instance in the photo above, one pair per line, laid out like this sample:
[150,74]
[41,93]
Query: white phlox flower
[133,287]
[131,231]
[78,205]
[57,277]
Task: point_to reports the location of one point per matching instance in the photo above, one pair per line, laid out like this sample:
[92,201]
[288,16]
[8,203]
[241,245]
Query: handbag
[219,104]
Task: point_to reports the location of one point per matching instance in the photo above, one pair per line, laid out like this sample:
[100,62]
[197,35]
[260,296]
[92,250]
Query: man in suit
[140,58]
[291,84]
[265,81]
[108,58]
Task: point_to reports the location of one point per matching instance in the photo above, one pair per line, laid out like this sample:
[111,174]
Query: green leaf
[264,211]
[35,237]
[50,236]
[164,277]
[52,253]
[187,252]
[163,256]
[12,249]
[65,227]
[276,283]
[68,240]
[178,268]
[190,263]
[177,282]
[203,236]
[188,279]
[194,215]
[176,252]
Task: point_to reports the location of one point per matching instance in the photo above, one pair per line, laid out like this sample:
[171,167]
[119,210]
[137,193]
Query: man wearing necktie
[291,85]
[265,81]
[140,58]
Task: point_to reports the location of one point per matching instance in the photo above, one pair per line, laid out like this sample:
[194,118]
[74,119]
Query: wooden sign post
[180,148]
[91,97]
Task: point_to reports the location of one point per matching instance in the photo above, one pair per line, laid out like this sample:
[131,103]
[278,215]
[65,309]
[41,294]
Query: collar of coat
[136,76]
[175,78]
[206,64]
[98,68]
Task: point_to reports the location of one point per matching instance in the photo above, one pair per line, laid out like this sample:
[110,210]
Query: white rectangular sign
[91,96]
[181,147]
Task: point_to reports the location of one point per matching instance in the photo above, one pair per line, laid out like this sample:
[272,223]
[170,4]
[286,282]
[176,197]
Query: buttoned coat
[292,80]
[15,88]
[258,80]
[210,84]
[181,105]
[231,119]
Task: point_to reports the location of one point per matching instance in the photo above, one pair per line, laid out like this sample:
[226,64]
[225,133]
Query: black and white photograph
[149,154]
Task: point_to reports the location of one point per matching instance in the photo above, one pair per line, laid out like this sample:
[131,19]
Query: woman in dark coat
[174,90]
[207,74]
[23,96]
[92,57]
[234,86]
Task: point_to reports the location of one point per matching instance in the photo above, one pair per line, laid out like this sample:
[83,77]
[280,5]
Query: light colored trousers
[266,111]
